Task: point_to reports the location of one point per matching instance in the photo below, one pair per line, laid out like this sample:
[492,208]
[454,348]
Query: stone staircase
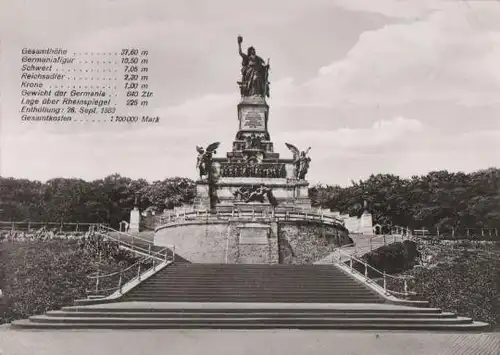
[250,296]
[252,283]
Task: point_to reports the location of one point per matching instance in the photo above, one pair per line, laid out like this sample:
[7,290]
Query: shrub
[469,287]
[392,258]
[461,277]
[44,275]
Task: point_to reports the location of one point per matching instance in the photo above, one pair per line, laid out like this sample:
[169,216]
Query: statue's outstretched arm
[243,55]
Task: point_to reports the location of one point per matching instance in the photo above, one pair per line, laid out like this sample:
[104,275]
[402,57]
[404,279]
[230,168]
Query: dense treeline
[107,200]
[439,200]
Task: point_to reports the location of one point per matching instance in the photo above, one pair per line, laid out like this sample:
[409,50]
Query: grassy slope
[45,275]
[461,278]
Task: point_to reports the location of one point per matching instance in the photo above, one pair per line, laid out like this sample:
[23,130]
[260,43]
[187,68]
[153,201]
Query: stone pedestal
[135,220]
[290,194]
[253,114]
[252,163]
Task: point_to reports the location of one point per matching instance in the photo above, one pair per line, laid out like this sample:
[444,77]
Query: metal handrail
[96,274]
[404,279]
[366,264]
[161,255]
[129,245]
[373,238]
[133,237]
[133,246]
[116,272]
[98,278]
[157,254]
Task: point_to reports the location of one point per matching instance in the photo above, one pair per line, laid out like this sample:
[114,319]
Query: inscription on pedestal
[253,119]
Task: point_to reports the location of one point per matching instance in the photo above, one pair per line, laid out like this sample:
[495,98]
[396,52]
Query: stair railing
[374,238]
[383,238]
[103,232]
[106,284]
[106,229]
[388,281]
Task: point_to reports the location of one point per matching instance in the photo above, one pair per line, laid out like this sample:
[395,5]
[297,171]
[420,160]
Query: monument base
[251,241]
[289,194]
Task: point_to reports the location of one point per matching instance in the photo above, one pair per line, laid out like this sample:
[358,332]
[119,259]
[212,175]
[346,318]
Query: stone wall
[198,242]
[257,243]
[305,243]
[354,224]
[287,242]
[201,242]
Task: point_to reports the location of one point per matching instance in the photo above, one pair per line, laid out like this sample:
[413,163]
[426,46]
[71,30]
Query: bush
[392,258]
[469,287]
[461,277]
[39,276]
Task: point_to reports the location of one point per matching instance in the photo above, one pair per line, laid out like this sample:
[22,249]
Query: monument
[252,175]
[241,212]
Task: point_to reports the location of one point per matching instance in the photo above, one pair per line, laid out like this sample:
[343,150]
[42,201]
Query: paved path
[236,342]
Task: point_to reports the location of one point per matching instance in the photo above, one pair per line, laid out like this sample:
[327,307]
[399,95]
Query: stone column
[366,224]
[135,219]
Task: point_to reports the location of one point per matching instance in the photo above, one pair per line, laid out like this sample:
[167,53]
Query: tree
[439,200]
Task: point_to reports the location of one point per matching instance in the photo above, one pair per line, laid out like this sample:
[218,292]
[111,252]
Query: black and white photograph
[230,177]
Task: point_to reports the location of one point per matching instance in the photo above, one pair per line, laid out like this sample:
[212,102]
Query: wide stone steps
[149,315]
[255,299]
[240,314]
[244,325]
[252,320]
[194,315]
[246,292]
[242,285]
[252,283]
[197,296]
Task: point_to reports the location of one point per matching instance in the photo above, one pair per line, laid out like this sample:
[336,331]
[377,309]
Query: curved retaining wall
[306,243]
[251,241]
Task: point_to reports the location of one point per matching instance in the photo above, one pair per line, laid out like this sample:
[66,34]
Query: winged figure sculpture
[204,159]
[300,160]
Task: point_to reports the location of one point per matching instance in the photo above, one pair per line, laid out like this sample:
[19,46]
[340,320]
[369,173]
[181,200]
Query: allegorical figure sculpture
[300,160]
[254,73]
[259,194]
[204,160]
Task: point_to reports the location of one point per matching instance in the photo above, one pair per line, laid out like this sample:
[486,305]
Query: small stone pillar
[135,219]
[366,223]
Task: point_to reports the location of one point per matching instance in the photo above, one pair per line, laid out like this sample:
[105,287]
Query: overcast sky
[385,86]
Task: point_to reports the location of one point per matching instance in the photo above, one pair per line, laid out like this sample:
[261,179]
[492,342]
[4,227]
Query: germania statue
[254,73]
